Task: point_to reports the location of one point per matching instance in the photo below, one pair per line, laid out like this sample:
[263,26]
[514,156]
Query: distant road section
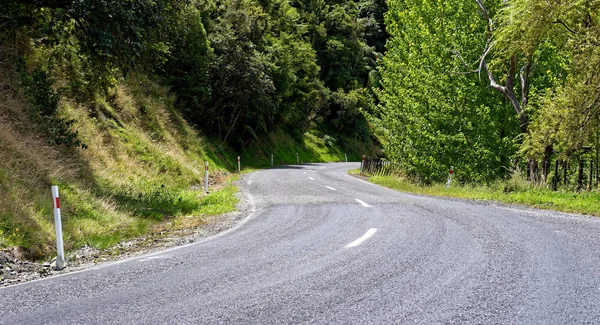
[323,247]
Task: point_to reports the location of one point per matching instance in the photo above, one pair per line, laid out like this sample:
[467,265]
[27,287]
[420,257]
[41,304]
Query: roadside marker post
[362,164]
[206,177]
[60,250]
[271,160]
[297,159]
[239,166]
[346,157]
[450,172]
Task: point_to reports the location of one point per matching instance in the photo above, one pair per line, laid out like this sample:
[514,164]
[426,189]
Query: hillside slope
[121,103]
[143,164]
[142,169]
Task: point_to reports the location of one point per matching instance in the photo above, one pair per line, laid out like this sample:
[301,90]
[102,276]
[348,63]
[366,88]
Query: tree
[437,113]
[569,112]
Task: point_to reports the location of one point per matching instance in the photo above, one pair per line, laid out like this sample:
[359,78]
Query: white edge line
[253,211]
[331,188]
[363,203]
[358,179]
[364,237]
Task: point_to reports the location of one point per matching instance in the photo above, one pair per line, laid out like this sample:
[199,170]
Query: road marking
[360,180]
[363,203]
[364,237]
[312,179]
[249,182]
[304,173]
[331,188]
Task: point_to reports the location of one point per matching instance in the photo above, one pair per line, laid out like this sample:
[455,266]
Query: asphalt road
[322,247]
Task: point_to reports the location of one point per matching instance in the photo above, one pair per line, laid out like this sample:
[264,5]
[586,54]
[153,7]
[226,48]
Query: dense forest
[239,69]
[496,88]
[492,87]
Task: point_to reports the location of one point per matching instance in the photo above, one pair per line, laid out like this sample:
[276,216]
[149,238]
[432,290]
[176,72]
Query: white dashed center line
[331,188]
[364,237]
[363,203]
[312,179]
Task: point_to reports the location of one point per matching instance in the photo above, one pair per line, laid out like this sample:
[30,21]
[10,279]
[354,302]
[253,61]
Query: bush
[44,109]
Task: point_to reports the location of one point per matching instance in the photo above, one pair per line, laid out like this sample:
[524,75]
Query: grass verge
[511,192]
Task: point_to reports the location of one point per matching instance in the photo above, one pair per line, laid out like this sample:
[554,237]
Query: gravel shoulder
[14,269]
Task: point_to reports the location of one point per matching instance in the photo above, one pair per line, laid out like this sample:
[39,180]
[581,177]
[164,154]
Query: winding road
[320,246]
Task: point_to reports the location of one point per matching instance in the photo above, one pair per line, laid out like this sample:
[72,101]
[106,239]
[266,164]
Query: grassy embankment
[514,191]
[142,171]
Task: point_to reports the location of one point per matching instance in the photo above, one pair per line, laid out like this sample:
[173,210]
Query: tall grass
[516,190]
[143,168]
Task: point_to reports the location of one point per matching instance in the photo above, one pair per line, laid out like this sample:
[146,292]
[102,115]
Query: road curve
[323,247]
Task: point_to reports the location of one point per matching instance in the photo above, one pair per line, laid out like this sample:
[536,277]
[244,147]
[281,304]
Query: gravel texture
[15,269]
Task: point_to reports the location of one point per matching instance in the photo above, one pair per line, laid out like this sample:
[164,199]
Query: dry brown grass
[136,143]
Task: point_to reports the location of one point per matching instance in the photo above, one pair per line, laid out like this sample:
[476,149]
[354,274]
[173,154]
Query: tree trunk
[534,171]
[591,175]
[580,175]
[548,152]
[508,90]
[597,162]
[565,167]
[555,178]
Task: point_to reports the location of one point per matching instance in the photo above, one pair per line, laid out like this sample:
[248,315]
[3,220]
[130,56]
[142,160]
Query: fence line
[378,167]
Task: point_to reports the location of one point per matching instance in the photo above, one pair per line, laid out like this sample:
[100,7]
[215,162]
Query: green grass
[311,148]
[511,192]
[142,172]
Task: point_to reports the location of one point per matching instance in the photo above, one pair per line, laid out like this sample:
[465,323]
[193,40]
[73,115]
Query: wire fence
[380,167]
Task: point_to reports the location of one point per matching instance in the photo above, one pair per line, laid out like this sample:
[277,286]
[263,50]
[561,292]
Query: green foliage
[569,109]
[186,68]
[239,68]
[347,116]
[311,147]
[242,89]
[44,103]
[437,113]
[115,34]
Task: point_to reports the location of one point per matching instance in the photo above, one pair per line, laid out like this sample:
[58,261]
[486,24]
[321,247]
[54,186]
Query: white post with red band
[239,166]
[206,177]
[450,172]
[60,250]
